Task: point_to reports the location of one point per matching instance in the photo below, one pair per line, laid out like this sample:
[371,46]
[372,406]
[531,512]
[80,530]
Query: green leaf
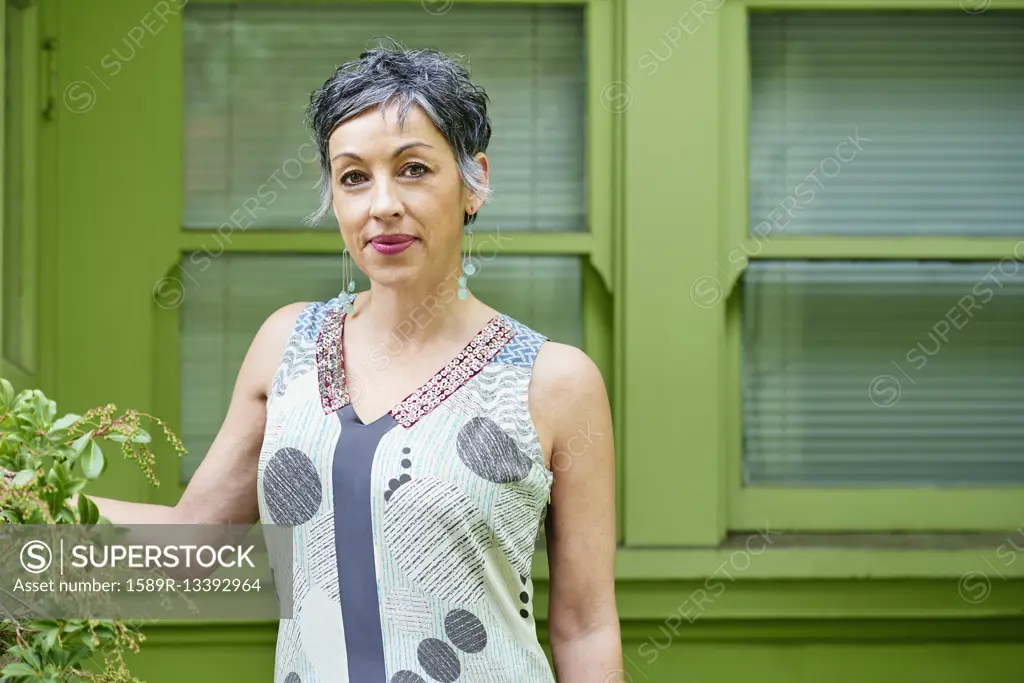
[18,669]
[50,639]
[64,474]
[13,438]
[65,422]
[23,477]
[92,462]
[30,656]
[119,438]
[87,510]
[75,485]
[6,394]
[56,479]
[79,445]
[26,459]
[142,436]
[104,632]
[40,409]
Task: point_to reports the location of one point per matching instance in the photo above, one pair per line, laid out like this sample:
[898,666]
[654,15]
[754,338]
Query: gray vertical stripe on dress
[353,538]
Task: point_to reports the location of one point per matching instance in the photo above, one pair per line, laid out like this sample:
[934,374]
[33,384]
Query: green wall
[808,608]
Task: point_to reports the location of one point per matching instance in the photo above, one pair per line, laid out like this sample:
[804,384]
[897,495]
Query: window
[925,110]
[883,373]
[878,334]
[249,70]
[18,186]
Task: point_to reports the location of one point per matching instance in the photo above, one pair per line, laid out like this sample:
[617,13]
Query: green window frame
[831,509]
[684,477]
[595,247]
[19,149]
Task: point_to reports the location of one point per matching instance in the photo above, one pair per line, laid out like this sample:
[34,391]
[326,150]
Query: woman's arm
[569,398]
[223,489]
[127,512]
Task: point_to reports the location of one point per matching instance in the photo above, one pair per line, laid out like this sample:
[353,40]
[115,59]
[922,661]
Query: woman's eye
[351,177]
[416,170]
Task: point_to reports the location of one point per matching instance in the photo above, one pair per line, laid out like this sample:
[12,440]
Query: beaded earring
[468,267]
[349,282]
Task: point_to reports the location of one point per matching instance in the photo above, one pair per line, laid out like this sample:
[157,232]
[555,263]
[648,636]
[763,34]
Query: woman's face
[398,196]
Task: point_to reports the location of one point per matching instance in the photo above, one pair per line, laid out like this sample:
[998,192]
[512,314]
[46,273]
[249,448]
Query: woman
[416,481]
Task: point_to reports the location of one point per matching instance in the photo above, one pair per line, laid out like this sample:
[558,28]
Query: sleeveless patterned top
[412,535]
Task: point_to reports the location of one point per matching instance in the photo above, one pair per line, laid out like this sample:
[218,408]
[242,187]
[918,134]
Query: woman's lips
[392,244]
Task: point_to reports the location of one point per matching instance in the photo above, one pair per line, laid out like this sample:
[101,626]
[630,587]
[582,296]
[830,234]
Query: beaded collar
[334,393]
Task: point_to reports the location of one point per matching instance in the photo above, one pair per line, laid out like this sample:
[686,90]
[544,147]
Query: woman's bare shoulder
[564,386]
[280,324]
[564,368]
[284,318]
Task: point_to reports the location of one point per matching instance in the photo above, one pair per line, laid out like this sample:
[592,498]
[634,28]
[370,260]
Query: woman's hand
[569,403]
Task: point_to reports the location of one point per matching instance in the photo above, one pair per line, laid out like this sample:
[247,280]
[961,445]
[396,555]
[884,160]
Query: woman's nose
[386,202]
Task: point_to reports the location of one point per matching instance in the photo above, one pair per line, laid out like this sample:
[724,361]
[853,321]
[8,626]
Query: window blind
[224,305]
[883,373]
[250,68]
[939,96]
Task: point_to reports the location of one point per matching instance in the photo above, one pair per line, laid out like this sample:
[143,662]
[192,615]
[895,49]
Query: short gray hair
[434,81]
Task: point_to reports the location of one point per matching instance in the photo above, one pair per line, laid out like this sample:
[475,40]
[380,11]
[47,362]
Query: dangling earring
[467,265]
[349,282]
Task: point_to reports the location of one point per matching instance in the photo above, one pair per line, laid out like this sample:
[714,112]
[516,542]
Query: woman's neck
[419,312]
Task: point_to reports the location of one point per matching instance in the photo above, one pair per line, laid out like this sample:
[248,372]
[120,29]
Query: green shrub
[39,453]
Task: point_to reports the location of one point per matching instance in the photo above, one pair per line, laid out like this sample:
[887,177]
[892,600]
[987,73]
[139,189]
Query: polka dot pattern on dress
[292,487]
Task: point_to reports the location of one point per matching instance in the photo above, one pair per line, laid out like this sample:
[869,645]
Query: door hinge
[50,78]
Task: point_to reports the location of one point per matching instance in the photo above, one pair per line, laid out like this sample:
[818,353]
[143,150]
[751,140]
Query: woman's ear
[481,159]
[474,202]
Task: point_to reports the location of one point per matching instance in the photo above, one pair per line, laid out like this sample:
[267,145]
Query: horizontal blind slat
[940,96]
[882,373]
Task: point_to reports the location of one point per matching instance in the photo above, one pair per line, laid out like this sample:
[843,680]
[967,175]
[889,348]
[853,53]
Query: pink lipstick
[392,244]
